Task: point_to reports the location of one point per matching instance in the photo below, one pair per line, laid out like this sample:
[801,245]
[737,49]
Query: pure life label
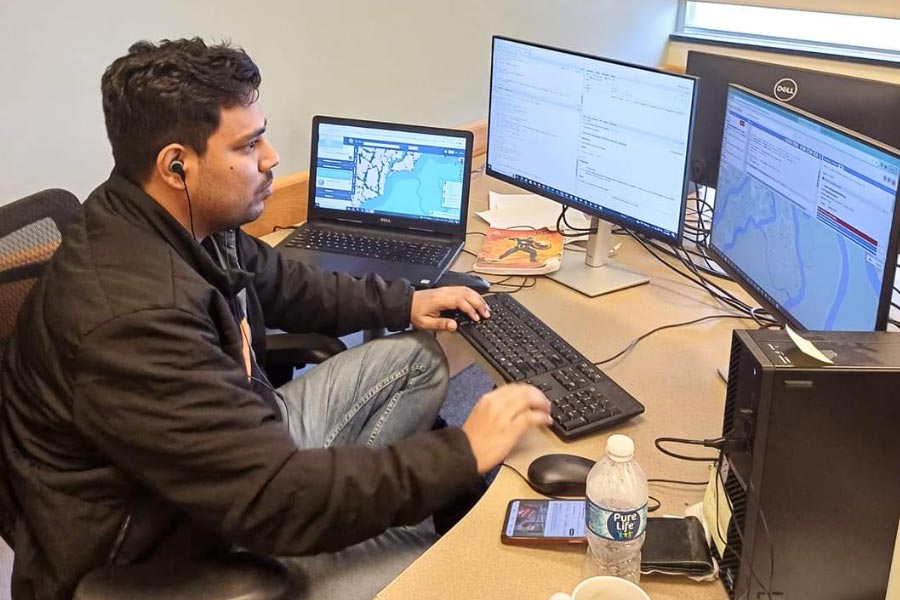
[618,526]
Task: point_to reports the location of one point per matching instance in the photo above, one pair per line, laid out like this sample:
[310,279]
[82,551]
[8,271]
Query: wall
[410,60]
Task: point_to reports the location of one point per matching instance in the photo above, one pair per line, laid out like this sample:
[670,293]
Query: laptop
[384,198]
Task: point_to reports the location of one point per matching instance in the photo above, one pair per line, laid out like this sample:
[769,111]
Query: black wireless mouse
[470,280]
[559,474]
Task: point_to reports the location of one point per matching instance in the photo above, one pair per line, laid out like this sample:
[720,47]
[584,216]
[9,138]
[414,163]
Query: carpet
[465,388]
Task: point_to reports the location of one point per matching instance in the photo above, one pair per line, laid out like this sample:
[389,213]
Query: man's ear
[172,165]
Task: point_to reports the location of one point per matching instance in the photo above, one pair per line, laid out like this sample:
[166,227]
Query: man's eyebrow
[254,134]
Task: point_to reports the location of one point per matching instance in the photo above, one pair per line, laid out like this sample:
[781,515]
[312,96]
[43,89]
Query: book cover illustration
[520,252]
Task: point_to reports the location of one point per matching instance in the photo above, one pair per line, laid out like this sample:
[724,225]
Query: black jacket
[129,428]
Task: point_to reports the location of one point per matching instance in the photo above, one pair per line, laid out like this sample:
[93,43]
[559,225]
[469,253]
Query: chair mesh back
[23,253]
[30,232]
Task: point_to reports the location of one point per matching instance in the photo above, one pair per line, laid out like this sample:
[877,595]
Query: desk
[673,373]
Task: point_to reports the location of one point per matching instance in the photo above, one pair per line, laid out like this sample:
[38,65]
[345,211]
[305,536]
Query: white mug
[604,588]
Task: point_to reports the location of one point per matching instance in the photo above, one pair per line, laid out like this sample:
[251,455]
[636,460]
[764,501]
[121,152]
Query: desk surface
[673,373]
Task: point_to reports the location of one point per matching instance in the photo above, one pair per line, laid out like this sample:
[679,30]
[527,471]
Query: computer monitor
[869,107]
[806,215]
[608,138]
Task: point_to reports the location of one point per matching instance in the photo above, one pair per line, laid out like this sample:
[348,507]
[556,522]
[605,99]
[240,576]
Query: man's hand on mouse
[428,304]
[501,418]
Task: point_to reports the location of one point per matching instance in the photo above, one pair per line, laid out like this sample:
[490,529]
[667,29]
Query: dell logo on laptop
[384,220]
[785,89]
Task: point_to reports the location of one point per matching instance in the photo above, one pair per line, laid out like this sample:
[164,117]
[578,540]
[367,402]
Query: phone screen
[545,519]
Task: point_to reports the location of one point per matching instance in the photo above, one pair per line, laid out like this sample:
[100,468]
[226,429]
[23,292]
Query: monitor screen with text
[804,215]
[605,137]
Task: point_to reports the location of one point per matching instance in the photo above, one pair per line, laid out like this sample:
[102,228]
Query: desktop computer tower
[815,488]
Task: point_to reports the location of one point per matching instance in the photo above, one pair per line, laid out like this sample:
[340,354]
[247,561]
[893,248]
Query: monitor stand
[596,273]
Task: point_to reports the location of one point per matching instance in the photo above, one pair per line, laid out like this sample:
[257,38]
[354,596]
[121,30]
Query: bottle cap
[620,448]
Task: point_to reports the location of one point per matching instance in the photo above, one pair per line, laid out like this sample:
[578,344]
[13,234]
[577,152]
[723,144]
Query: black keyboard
[522,348]
[370,246]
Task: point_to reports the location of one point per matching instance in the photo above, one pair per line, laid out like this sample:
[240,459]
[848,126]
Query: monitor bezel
[890,263]
[628,223]
[381,220]
[711,69]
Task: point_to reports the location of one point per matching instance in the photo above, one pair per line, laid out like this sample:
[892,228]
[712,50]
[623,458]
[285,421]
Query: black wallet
[675,547]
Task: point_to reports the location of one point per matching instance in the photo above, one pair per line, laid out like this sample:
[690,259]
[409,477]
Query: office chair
[288,351]
[30,231]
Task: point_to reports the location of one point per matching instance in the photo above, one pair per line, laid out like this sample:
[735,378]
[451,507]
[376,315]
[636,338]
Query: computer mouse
[479,284]
[559,474]
[470,280]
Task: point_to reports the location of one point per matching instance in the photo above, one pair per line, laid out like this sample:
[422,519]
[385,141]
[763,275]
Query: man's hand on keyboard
[501,418]
[428,304]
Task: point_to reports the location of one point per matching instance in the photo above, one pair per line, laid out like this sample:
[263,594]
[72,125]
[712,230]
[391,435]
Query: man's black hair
[168,93]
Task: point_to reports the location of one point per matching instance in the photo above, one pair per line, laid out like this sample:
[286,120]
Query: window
[855,35]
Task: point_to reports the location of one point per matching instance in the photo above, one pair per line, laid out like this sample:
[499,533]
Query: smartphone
[544,522]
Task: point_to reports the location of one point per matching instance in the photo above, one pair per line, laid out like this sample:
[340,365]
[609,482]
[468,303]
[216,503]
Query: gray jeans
[374,394]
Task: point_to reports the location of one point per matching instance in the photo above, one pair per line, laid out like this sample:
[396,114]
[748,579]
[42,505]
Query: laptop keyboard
[340,242]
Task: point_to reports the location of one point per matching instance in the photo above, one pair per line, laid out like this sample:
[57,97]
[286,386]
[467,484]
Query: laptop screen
[390,173]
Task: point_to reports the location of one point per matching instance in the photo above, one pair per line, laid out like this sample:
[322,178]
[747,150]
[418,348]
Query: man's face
[235,172]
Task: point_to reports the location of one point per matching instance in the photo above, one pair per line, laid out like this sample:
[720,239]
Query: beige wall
[409,60]
[676,55]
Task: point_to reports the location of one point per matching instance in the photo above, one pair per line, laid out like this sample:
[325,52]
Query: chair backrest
[30,231]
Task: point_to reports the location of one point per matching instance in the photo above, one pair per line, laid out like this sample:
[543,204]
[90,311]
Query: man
[137,423]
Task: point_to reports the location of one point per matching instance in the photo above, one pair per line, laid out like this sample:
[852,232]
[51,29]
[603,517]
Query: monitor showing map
[392,173]
[806,215]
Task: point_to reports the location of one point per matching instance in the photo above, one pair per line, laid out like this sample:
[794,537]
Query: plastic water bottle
[616,512]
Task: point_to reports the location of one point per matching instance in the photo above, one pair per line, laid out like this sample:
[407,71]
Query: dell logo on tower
[785,89]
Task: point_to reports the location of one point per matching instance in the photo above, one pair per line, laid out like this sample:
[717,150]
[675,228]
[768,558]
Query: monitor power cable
[573,231]
[638,339]
[721,444]
[714,290]
[528,281]
[673,252]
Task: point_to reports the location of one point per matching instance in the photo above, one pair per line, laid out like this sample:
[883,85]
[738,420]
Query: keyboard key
[573,423]
[341,242]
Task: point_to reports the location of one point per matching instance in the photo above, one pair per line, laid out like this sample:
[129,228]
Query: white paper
[716,510]
[807,347]
[525,211]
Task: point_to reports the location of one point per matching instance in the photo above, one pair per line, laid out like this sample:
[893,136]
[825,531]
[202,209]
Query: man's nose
[270,159]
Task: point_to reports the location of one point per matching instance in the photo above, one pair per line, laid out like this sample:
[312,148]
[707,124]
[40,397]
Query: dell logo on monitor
[384,220]
[785,89]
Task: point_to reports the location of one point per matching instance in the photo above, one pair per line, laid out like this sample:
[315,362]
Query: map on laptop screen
[391,173]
